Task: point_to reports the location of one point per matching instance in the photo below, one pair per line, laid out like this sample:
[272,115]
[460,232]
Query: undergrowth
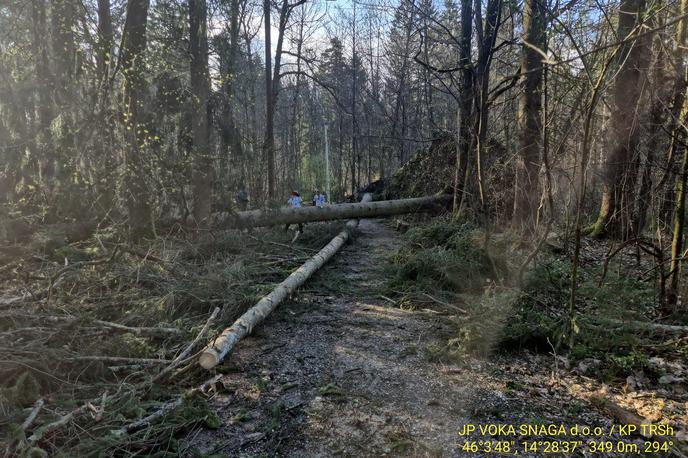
[452,266]
[445,255]
[57,294]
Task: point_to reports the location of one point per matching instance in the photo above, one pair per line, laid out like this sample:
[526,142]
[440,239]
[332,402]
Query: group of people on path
[295,201]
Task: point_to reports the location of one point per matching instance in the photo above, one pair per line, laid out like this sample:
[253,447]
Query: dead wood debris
[87,335]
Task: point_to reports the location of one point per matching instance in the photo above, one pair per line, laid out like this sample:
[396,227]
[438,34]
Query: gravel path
[346,373]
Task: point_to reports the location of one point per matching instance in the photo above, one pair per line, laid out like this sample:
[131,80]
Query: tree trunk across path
[222,345]
[289,215]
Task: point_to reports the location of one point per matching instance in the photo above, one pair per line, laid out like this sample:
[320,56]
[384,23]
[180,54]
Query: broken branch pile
[117,322]
[91,327]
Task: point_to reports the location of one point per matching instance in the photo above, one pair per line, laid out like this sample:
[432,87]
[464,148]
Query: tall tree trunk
[133,67]
[103,145]
[61,163]
[64,50]
[677,239]
[269,142]
[530,116]
[677,118]
[487,37]
[105,37]
[230,135]
[678,138]
[355,160]
[296,102]
[200,93]
[621,165]
[45,82]
[660,97]
[465,110]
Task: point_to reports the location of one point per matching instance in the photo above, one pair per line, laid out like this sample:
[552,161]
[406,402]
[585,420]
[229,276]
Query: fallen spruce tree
[363,209]
[222,345]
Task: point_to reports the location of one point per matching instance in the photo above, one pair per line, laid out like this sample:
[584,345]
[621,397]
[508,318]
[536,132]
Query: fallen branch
[38,405]
[128,368]
[670,328]
[7,301]
[445,304]
[626,417]
[222,345]
[620,414]
[118,359]
[57,277]
[57,424]
[190,347]
[140,331]
[167,407]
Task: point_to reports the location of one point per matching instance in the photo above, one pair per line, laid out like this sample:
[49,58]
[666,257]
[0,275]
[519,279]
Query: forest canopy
[164,110]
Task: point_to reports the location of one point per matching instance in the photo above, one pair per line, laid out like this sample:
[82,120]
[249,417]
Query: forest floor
[340,370]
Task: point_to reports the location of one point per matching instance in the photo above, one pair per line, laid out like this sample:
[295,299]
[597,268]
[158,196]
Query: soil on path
[341,371]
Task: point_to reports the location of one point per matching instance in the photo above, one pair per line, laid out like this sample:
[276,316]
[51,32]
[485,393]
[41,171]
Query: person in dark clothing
[242,200]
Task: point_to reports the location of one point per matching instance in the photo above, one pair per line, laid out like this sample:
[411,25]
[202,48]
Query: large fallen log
[363,209]
[647,326]
[222,345]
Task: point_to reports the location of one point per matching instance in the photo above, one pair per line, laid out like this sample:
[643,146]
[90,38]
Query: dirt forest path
[343,372]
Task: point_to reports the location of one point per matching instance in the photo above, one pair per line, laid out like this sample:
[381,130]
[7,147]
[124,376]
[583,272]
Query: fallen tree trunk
[222,345]
[363,209]
[648,326]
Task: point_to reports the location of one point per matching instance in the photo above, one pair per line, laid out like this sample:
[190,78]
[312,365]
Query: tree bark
[530,116]
[269,142]
[221,346]
[289,215]
[133,68]
[465,123]
[200,93]
[45,82]
[105,37]
[677,239]
[230,134]
[678,137]
[677,115]
[621,165]
[487,42]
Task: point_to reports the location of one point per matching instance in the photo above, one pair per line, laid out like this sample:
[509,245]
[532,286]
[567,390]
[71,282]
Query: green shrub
[444,255]
[541,312]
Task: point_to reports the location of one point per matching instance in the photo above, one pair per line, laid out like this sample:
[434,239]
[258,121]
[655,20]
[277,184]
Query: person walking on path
[295,202]
[319,199]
